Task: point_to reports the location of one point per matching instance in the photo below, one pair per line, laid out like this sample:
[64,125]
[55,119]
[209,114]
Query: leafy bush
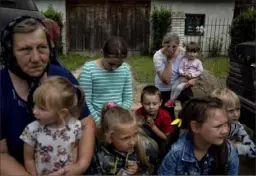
[243,28]
[57,17]
[54,15]
[161,20]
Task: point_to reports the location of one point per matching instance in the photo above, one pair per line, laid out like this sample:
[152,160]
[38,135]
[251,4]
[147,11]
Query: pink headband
[111,104]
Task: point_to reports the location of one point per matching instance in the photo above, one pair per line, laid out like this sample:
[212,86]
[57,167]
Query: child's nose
[225,130]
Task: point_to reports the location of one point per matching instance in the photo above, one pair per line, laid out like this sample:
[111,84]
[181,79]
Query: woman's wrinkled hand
[172,54]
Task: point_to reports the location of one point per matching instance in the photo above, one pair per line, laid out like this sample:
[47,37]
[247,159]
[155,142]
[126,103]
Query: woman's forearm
[9,166]
[30,167]
[167,73]
[87,143]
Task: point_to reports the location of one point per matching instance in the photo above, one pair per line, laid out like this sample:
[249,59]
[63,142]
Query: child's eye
[126,138]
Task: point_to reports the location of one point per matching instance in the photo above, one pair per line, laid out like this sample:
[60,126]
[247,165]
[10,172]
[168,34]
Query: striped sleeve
[127,92]
[85,82]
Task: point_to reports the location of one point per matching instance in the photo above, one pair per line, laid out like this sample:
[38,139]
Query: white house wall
[215,13]
[58,5]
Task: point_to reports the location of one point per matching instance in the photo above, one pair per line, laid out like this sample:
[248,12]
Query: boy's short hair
[192,47]
[150,90]
[227,96]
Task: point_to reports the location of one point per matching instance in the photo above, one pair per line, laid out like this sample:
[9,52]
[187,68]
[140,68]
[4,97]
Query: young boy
[155,119]
[239,137]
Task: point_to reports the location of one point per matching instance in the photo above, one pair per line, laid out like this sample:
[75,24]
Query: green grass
[218,66]
[73,62]
[143,69]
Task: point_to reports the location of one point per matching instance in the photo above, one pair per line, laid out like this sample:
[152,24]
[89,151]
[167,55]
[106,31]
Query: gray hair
[170,37]
[28,25]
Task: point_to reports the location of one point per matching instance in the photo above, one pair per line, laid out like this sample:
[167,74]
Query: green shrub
[58,18]
[54,15]
[243,28]
[161,20]
[215,46]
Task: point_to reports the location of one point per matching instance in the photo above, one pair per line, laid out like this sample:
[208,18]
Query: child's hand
[183,74]
[190,83]
[150,122]
[234,143]
[132,167]
[189,75]
[61,171]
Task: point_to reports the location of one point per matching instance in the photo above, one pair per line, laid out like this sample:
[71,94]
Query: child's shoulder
[34,125]
[126,66]
[163,112]
[139,110]
[90,63]
[180,145]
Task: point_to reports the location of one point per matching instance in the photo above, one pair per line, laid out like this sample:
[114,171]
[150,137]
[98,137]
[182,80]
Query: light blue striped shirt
[101,86]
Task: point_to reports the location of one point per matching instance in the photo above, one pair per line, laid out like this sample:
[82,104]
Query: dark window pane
[192,21]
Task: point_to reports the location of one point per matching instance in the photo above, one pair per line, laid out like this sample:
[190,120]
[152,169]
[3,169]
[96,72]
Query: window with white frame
[193,21]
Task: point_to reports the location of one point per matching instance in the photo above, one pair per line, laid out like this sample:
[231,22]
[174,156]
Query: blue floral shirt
[180,160]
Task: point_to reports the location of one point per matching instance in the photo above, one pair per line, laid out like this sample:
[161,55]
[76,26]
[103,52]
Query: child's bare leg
[173,97]
[178,90]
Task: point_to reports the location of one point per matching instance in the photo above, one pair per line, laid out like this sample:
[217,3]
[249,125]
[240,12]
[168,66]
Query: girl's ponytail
[79,102]
[220,155]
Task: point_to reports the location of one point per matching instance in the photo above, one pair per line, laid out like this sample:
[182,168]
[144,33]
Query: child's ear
[108,138]
[64,113]
[195,127]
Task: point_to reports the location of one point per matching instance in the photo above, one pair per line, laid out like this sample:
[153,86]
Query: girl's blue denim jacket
[180,160]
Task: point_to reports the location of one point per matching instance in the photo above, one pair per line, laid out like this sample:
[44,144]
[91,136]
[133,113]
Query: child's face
[151,104]
[111,64]
[215,128]
[125,137]
[233,113]
[192,55]
[45,116]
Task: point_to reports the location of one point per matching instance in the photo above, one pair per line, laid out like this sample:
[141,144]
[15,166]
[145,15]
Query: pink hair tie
[111,104]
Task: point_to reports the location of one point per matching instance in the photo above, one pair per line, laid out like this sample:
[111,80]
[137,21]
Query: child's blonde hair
[58,93]
[111,117]
[227,96]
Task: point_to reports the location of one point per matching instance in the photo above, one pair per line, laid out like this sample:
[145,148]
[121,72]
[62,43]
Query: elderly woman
[166,62]
[26,55]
